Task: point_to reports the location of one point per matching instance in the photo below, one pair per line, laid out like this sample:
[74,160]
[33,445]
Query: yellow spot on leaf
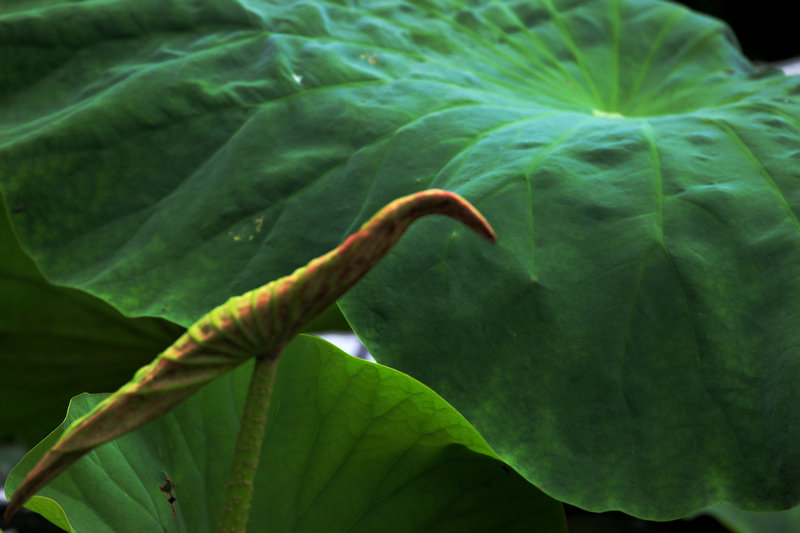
[247,230]
[370,58]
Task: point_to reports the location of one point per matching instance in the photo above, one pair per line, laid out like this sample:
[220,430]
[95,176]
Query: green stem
[239,490]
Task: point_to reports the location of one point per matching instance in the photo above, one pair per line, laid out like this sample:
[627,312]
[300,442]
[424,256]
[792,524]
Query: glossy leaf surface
[350,446]
[633,343]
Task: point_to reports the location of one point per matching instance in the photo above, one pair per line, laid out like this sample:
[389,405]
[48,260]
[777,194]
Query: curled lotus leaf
[258,323]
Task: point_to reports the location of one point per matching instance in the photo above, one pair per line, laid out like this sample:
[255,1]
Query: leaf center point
[606,114]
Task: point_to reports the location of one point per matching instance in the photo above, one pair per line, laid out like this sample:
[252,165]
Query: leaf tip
[463,211]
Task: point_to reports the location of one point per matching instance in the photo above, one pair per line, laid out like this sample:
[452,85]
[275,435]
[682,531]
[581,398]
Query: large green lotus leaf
[57,342]
[349,446]
[631,343]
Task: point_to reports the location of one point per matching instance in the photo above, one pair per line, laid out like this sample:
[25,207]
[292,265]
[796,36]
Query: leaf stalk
[236,503]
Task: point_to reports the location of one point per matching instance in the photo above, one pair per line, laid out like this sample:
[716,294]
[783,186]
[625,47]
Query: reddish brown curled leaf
[260,322]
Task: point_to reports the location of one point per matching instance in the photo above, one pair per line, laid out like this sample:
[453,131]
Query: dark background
[768,30]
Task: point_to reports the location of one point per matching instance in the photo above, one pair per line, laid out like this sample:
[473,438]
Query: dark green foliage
[632,343]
